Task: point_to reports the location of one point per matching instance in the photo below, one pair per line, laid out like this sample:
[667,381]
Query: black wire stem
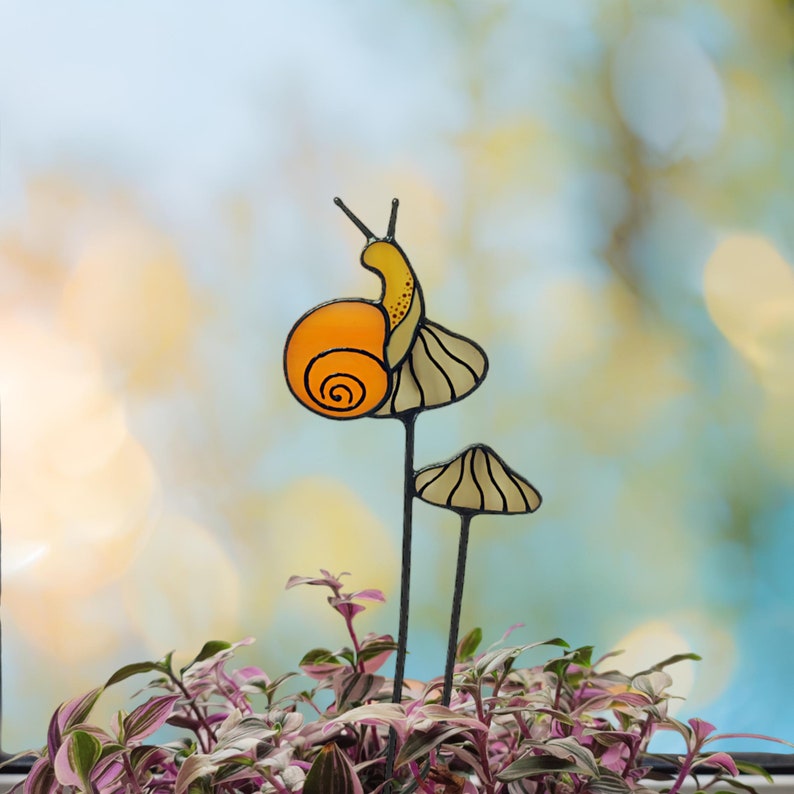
[457,600]
[409,422]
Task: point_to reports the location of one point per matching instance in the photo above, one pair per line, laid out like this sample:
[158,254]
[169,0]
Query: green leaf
[83,753]
[130,670]
[732,781]
[531,765]
[608,783]
[348,654]
[167,662]
[231,769]
[503,658]
[569,749]
[678,657]
[370,650]
[143,755]
[318,656]
[420,743]
[581,657]
[319,663]
[467,647]
[753,769]
[332,773]
[209,649]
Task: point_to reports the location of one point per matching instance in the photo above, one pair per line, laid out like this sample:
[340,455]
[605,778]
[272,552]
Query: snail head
[401,297]
[382,255]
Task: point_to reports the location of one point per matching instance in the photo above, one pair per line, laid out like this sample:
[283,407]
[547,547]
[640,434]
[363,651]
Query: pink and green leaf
[148,717]
[332,773]
[326,580]
[319,663]
[208,650]
[71,713]
[193,767]
[533,765]
[375,651]
[76,758]
[41,778]
[722,760]
[420,743]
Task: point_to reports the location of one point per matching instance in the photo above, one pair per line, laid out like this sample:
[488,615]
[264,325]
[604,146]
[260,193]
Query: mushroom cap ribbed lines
[441,368]
[476,481]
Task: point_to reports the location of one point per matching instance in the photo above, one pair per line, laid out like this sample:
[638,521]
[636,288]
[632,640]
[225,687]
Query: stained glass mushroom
[475,481]
[354,357]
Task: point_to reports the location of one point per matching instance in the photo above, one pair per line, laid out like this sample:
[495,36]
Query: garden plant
[570,725]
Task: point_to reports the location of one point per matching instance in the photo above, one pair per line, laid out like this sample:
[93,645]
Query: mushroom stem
[409,421]
[457,599]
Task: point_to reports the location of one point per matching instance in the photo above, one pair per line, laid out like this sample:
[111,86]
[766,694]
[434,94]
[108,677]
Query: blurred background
[597,191]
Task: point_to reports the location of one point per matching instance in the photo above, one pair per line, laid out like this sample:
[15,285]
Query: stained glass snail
[340,356]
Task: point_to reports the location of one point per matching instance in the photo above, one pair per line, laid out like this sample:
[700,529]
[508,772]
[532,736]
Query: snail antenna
[363,229]
[392,219]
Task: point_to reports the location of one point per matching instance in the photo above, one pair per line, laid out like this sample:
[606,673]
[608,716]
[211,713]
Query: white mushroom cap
[476,481]
[441,367]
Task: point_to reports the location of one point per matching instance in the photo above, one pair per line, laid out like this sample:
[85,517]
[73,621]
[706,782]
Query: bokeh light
[598,193]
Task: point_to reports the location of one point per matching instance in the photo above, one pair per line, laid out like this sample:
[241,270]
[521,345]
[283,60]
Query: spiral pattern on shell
[334,359]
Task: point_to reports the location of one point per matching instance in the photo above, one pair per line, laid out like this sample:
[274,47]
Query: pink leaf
[327,580]
[64,772]
[348,609]
[76,710]
[148,717]
[723,760]
[320,670]
[108,774]
[70,713]
[510,630]
[368,595]
[40,779]
[701,728]
[248,675]
[374,664]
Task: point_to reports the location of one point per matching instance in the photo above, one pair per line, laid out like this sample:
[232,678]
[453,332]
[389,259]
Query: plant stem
[409,422]
[636,747]
[457,600]
[130,772]
[356,646]
[205,742]
[683,773]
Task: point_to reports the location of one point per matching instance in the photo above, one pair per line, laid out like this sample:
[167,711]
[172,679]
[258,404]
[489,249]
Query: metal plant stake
[473,482]
[352,357]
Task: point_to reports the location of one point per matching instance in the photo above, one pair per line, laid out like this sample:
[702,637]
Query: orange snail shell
[334,359]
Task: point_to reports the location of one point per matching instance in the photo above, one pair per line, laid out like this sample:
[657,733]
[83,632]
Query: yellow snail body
[340,356]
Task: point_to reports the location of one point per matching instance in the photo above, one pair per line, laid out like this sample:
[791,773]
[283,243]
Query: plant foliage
[569,726]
